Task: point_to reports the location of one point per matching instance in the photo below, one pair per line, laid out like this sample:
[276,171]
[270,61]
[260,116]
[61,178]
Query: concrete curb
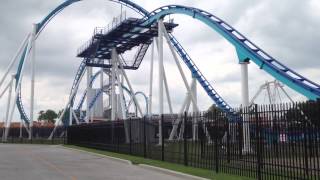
[144,166]
[171,172]
[100,155]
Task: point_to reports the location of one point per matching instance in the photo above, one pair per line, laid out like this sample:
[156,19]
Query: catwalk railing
[284,140]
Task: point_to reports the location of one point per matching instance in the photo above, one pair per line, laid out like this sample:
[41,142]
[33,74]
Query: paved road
[37,162]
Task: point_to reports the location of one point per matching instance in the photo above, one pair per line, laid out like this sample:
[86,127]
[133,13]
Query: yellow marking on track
[56,168]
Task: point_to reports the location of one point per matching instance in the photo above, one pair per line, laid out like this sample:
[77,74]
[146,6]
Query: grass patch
[175,167]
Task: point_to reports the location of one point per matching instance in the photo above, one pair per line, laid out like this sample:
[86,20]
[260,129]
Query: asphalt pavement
[54,162]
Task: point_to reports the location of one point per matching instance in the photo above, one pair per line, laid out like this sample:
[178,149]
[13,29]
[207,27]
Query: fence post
[305,143]
[144,138]
[240,135]
[185,145]
[258,141]
[311,129]
[216,148]
[162,139]
[228,142]
[52,140]
[130,136]
[65,135]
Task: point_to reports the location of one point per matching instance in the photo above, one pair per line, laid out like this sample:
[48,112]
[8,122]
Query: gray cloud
[293,38]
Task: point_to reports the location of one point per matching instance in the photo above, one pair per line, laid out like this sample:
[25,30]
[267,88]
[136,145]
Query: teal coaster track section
[245,49]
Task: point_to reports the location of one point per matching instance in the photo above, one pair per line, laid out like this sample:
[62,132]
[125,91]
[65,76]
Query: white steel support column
[245,103]
[101,83]
[194,108]
[13,106]
[23,44]
[178,64]
[123,73]
[120,85]
[166,86]
[74,115]
[33,56]
[121,109]
[101,78]
[66,106]
[195,95]
[269,93]
[5,90]
[89,76]
[185,103]
[6,126]
[167,91]
[70,115]
[151,80]
[160,51]
[244,83]
[113,87]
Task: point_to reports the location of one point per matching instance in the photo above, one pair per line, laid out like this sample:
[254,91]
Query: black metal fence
[40,135]
[265,142]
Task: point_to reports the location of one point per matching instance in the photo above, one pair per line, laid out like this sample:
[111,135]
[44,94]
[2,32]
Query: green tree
[306,112]
[48,115]
[217,122]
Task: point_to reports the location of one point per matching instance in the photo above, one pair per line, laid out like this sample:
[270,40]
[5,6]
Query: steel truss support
[175,57]
[166,85]
[271,96]
[191,92]
[133,96]
[70,115]
[18,86]
[184,108]
[14,59]
[5,89]
[118,109]
[151,81]
[6,122]
[66,107]
[89,88]
[194,109]
[73,115]
[102,83]
[113,85]
[118,104]
[167,90]
[160,51]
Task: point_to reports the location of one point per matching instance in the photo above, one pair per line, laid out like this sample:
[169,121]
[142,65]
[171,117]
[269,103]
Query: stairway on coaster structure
[246,50]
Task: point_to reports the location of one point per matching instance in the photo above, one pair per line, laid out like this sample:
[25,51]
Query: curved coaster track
[245,49]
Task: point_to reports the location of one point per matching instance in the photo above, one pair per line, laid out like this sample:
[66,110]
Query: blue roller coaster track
[106,87]
[85,92]
[91,104]
[245,49]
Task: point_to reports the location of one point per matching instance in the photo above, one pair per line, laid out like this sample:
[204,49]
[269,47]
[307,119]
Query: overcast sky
[289,30]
